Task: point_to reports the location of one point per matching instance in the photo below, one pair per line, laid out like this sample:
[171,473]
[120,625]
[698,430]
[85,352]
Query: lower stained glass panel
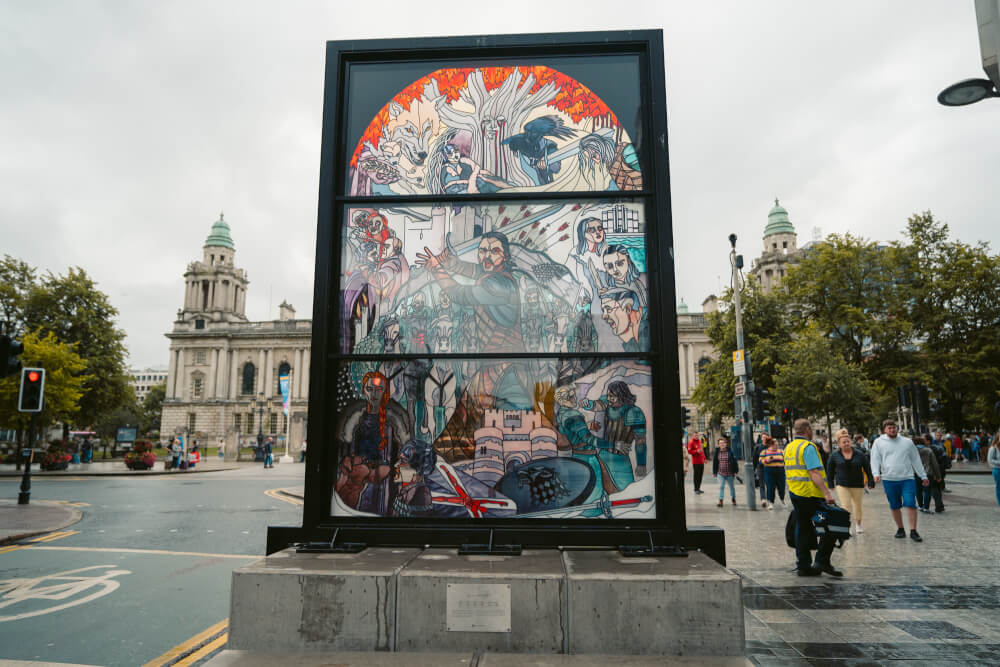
[495,438]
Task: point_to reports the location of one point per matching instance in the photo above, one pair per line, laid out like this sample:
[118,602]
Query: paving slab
[19,522]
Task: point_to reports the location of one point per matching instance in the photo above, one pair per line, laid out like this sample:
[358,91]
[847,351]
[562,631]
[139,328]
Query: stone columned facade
[220,361]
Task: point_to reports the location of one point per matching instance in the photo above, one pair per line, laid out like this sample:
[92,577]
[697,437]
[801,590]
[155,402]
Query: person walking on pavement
[807,489]
[697,453]
[772,463]
[944,463]
[993,458]
[935,471]
[268,458]
[302,453]
[847,470]
[895,462]
[724,467]
[758,469]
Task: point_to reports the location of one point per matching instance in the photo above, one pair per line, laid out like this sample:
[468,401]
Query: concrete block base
[317,602]
[592,603]
[653,606]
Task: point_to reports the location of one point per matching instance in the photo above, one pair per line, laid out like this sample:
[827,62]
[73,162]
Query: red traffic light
[33,376]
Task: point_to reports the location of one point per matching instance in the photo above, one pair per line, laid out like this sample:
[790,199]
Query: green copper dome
[220,235]
[777,221]
[682,308]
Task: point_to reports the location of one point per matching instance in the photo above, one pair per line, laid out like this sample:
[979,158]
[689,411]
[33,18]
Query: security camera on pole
[741,370]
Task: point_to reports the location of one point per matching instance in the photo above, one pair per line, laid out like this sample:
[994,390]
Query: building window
[196,387]
[284,423]
[192,422]
[249,375]
[250,417]
[272,423]
[199,357]
[238,422]
[784,244]
[199,324]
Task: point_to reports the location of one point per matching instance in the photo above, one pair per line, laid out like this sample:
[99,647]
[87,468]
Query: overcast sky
[126,127]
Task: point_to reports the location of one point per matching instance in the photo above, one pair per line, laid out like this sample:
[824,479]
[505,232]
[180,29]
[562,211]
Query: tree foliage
[151,409]
[767,330]
[76,312]
[817,379]
[955,309]
[64,382]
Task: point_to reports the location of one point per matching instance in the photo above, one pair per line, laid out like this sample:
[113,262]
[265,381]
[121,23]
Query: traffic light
[31,398]
[685,417]
[10,350]
[786,415]
[761,404]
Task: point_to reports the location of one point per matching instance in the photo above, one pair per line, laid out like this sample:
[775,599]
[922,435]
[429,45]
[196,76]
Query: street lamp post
[258,404]
[746,434]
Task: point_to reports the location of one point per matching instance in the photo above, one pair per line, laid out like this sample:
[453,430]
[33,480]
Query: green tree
[152,408]
[767,330]
[76,311]
[954,300]
[17,282]
[126,414]
[857,292]
[64,382]
[817,380]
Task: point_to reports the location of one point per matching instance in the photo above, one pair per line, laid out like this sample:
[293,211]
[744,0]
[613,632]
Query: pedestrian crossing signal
[31,397]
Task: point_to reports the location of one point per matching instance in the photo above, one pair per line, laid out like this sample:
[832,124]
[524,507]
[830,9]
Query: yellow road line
[277,495]
[188,645]
[12,547]
[204,651]
[52,537]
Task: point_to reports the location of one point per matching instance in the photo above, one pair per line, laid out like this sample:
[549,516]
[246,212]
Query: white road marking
[70,583]
[152,552]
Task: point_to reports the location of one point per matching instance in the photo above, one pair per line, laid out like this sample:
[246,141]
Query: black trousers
[924,495]
[699,472]
[804,531]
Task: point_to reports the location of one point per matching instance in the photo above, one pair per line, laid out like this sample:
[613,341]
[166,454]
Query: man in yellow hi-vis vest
[807,488]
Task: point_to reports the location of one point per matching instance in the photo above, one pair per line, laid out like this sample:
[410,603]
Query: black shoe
[829,569]
[900,533]
[698,491]
[808,572]
[915,536]
[939,510]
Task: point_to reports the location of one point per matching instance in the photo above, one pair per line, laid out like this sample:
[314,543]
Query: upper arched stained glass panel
[494,129]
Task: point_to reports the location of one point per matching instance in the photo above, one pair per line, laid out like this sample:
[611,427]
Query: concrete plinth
[536,601]
[652,606]
[317,602]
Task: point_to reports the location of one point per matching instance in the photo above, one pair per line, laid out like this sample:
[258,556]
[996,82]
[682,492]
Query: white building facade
[143,379]
[220,362]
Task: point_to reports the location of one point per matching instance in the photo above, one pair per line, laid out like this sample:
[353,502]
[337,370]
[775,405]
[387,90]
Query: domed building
[780,249]
[220,362]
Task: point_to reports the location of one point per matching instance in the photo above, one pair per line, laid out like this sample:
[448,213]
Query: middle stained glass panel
[536,277]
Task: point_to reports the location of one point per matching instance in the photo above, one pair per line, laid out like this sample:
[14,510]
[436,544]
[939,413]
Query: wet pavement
[900,602]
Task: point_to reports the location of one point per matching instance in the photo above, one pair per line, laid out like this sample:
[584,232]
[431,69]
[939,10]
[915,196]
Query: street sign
[126,434]
[739,363]
[741,388]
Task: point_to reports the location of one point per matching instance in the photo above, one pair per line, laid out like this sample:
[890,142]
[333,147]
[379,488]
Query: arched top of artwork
[493,129]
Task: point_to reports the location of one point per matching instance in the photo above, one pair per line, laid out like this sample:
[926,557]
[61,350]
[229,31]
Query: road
[147,568]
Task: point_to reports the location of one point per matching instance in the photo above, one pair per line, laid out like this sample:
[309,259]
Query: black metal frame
[668,528]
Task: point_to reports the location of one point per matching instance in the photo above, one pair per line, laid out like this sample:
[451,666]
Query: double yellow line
[197,648]
[50,537]
[278,495]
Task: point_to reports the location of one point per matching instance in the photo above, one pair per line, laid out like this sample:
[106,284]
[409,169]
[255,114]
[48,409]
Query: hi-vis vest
[796,474]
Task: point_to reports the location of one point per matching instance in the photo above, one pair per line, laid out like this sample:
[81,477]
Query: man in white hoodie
[895,461]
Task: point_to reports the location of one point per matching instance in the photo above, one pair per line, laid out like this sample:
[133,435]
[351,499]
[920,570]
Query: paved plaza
[900,602]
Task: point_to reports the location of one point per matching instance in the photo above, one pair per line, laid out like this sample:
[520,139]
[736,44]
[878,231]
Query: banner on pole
[284,385]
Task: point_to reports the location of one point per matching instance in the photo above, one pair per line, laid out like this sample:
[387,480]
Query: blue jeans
[774,478]
[996,480]
[731,480]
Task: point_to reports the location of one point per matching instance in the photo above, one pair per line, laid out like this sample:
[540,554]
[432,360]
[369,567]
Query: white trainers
[860,529]
[770,506]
